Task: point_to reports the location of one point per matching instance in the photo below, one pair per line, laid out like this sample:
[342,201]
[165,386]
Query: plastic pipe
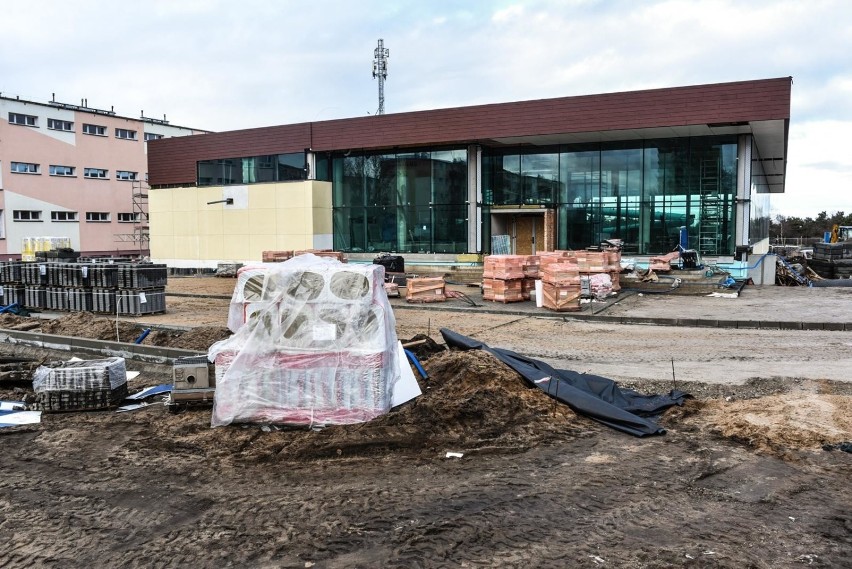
[416,363]
[142,336]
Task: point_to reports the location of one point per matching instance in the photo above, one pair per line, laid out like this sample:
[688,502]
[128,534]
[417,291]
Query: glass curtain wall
[252,169]
[409,202]
[640,191]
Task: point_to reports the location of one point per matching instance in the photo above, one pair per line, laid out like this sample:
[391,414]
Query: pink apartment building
[75,172]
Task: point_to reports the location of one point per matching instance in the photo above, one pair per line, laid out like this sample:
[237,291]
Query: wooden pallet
[561,298]
[425,289]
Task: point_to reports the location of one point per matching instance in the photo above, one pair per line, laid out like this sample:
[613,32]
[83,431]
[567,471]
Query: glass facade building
[411,202]
[639,191]
[416,201]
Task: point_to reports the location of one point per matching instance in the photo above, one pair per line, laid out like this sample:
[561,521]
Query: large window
[125,134]
[96,173]
[97,217]
[63,216]
[56,124]
[252,169]
[94,129]
[57,170]
[402,202]
[25,120]
[26,215]
[640,192]
[25,168]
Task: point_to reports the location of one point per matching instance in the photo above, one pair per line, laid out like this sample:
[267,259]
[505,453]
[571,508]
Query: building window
[128,217]
[125,175]
[24,168]
[26,215]
[63,216]
[152,136]
[56,124]
[96,173]
[25,120]
[125,134]
[252,170]
[56,170]
[97,216]
[94,129]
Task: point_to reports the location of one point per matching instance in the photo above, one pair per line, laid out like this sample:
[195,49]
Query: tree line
[791,227]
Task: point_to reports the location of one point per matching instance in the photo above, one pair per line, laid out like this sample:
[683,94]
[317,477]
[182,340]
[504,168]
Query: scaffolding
[139,207]
[712,210]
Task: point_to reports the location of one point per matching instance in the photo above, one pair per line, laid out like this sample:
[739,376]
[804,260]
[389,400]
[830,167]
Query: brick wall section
[172,161]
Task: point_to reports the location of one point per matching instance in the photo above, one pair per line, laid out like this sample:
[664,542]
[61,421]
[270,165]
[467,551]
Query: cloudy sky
[223,65]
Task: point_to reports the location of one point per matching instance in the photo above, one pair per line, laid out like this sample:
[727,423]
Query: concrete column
[549,242]
[474,198]
[742,211]
[311,163]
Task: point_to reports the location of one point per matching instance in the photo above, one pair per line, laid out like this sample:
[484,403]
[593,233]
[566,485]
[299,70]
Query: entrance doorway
[525,231]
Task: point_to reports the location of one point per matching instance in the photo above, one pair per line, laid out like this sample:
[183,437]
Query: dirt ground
[742,478]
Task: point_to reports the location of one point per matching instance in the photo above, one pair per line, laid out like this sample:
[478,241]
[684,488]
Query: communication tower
[380,70]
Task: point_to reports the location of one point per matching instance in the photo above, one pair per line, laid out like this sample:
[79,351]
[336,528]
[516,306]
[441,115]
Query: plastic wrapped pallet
[248,296]
[80,385]
[601,285]
[320,350]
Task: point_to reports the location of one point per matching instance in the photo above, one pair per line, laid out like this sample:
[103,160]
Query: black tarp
[591,395]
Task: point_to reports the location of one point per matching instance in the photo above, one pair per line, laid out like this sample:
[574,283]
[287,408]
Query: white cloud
[223,65]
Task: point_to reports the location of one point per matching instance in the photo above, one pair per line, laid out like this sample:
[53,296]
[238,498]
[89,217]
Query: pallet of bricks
[560,275]
[125,289]
[503,278]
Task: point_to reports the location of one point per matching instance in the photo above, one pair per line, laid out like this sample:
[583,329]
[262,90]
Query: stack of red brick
[276,256]
[503,278]
[323,253]
[560,277]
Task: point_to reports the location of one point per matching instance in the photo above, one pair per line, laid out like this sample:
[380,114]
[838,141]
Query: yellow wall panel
[215,247]
[186,247]
[184,200]
[293,221]
[162,223]
[263,196]
[278,216]
[235,222]
[210,222]
[160,200]
[292,194]
[262,222]
[321,221]
[321,194]
[236,247]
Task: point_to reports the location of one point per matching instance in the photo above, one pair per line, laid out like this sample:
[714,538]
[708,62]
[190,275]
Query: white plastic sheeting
[81,375]
[318,346]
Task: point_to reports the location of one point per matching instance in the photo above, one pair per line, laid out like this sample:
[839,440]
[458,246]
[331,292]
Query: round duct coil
[349,285]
